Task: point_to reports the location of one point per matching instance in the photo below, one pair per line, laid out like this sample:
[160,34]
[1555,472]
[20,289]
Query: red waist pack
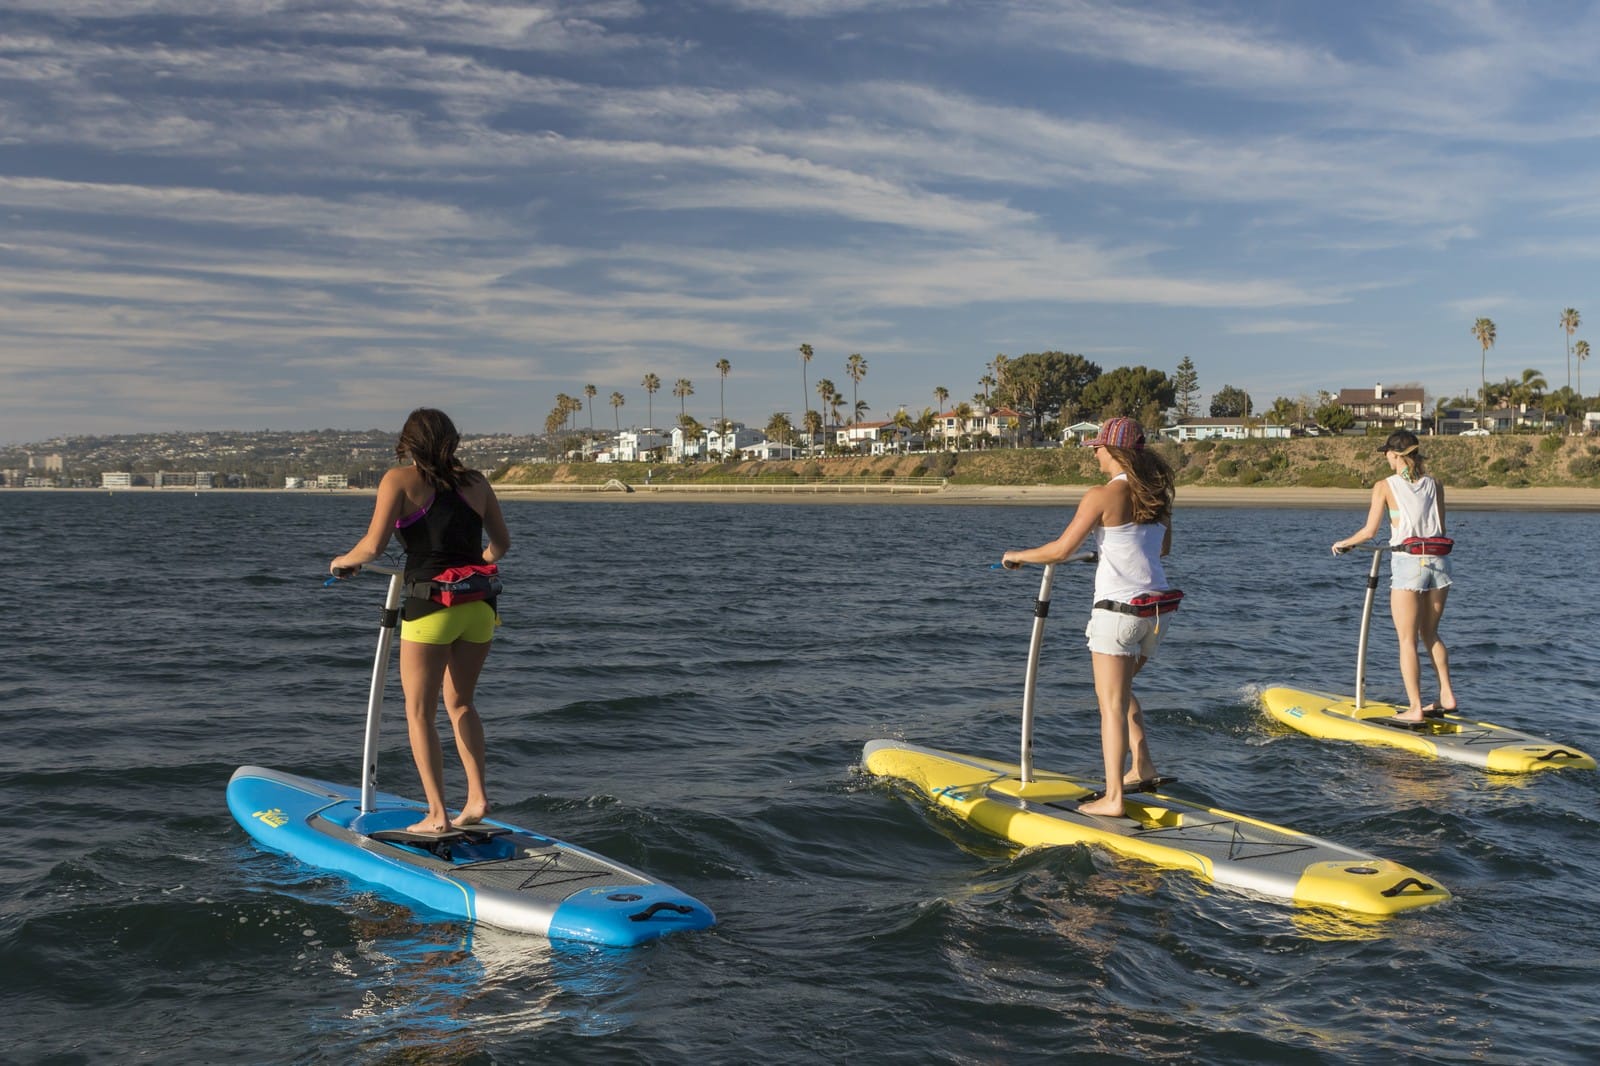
[459,584]
[1153,603]
[1426,546]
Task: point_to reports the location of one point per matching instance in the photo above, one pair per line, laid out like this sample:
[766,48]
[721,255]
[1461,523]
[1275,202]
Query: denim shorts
[1114,633]
[1418,573]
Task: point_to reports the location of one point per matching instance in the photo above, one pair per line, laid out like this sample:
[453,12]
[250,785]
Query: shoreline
[1570,499]
[1484,499]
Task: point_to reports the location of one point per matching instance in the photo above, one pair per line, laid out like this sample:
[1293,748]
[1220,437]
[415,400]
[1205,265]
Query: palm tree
[805,392]
[825,392]
[1483,329]
[813,426]
[616,410]
[856,368]
[963,413]
[651,383]
[1581,350]
[1531,390]
[903,422]
[589,393]
[683,388]
[1570,321]
[723,366]
[940,395]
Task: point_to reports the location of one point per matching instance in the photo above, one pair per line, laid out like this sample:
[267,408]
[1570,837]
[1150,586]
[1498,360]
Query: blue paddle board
[491,872]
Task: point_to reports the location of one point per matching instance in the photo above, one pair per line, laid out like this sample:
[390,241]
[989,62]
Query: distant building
[875,437]
[1079,432]
[1383,408]
[768,450]
[683,447]
[634,444]
[999,422]
[116,479]
[732,442]
[1224,429]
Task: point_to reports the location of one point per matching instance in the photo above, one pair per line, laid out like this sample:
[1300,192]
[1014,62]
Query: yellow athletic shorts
[472,622]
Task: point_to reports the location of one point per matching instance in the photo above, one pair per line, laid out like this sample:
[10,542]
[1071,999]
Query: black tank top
[446,532]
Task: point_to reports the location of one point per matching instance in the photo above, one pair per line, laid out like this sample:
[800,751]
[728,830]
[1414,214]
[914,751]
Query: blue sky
[245,214]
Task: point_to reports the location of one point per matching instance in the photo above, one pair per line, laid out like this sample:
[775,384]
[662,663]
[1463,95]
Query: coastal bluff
[1330,469]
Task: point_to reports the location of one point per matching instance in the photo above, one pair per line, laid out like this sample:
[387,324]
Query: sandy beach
[1485,499]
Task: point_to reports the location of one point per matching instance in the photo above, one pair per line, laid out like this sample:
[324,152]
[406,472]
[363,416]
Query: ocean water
[687,689]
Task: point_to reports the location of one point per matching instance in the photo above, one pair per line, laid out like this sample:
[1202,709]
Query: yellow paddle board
[1223,848]
[1455,737]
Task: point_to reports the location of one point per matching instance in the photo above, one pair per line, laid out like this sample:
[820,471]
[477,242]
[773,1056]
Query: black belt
[1148,610]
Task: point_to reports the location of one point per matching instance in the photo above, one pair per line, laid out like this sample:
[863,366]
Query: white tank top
[1416,508]
[1130,559]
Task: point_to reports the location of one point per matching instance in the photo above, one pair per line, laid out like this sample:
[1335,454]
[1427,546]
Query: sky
[287,214]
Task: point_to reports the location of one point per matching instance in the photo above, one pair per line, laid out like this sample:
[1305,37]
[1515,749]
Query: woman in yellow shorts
[441,511]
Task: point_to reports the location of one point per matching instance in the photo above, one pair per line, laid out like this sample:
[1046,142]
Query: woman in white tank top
[1419,584]
[1130,518]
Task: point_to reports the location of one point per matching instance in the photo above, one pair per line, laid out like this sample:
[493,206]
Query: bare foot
[1412,717]
[472,815]
[1103,807]
[426,826]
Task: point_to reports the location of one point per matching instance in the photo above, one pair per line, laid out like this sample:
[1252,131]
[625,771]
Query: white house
[683,447]
[1591,422]
[876,437]
[1224,429]
[734,440]
[1001,423]
[632,444]
[768,450]
[1079,432]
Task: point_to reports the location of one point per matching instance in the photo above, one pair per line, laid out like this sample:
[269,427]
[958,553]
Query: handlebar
[1081,557]
[344,573]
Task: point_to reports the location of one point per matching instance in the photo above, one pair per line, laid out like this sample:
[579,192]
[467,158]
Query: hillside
[1511,461]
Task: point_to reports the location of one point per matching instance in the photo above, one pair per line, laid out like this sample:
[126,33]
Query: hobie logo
[275,818]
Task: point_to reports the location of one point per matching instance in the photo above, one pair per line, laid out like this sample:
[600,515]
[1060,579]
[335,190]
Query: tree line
[1053,389]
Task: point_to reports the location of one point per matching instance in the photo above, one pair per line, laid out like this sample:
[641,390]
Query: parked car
[1478,432]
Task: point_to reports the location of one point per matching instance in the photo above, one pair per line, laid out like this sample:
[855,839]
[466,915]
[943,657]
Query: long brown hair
[429,439]
[1151,482]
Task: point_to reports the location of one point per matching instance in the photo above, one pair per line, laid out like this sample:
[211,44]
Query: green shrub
[1227,468]
[1330,476]
[1249,475]
[1585,465]
[1203,446]
[1550,444]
